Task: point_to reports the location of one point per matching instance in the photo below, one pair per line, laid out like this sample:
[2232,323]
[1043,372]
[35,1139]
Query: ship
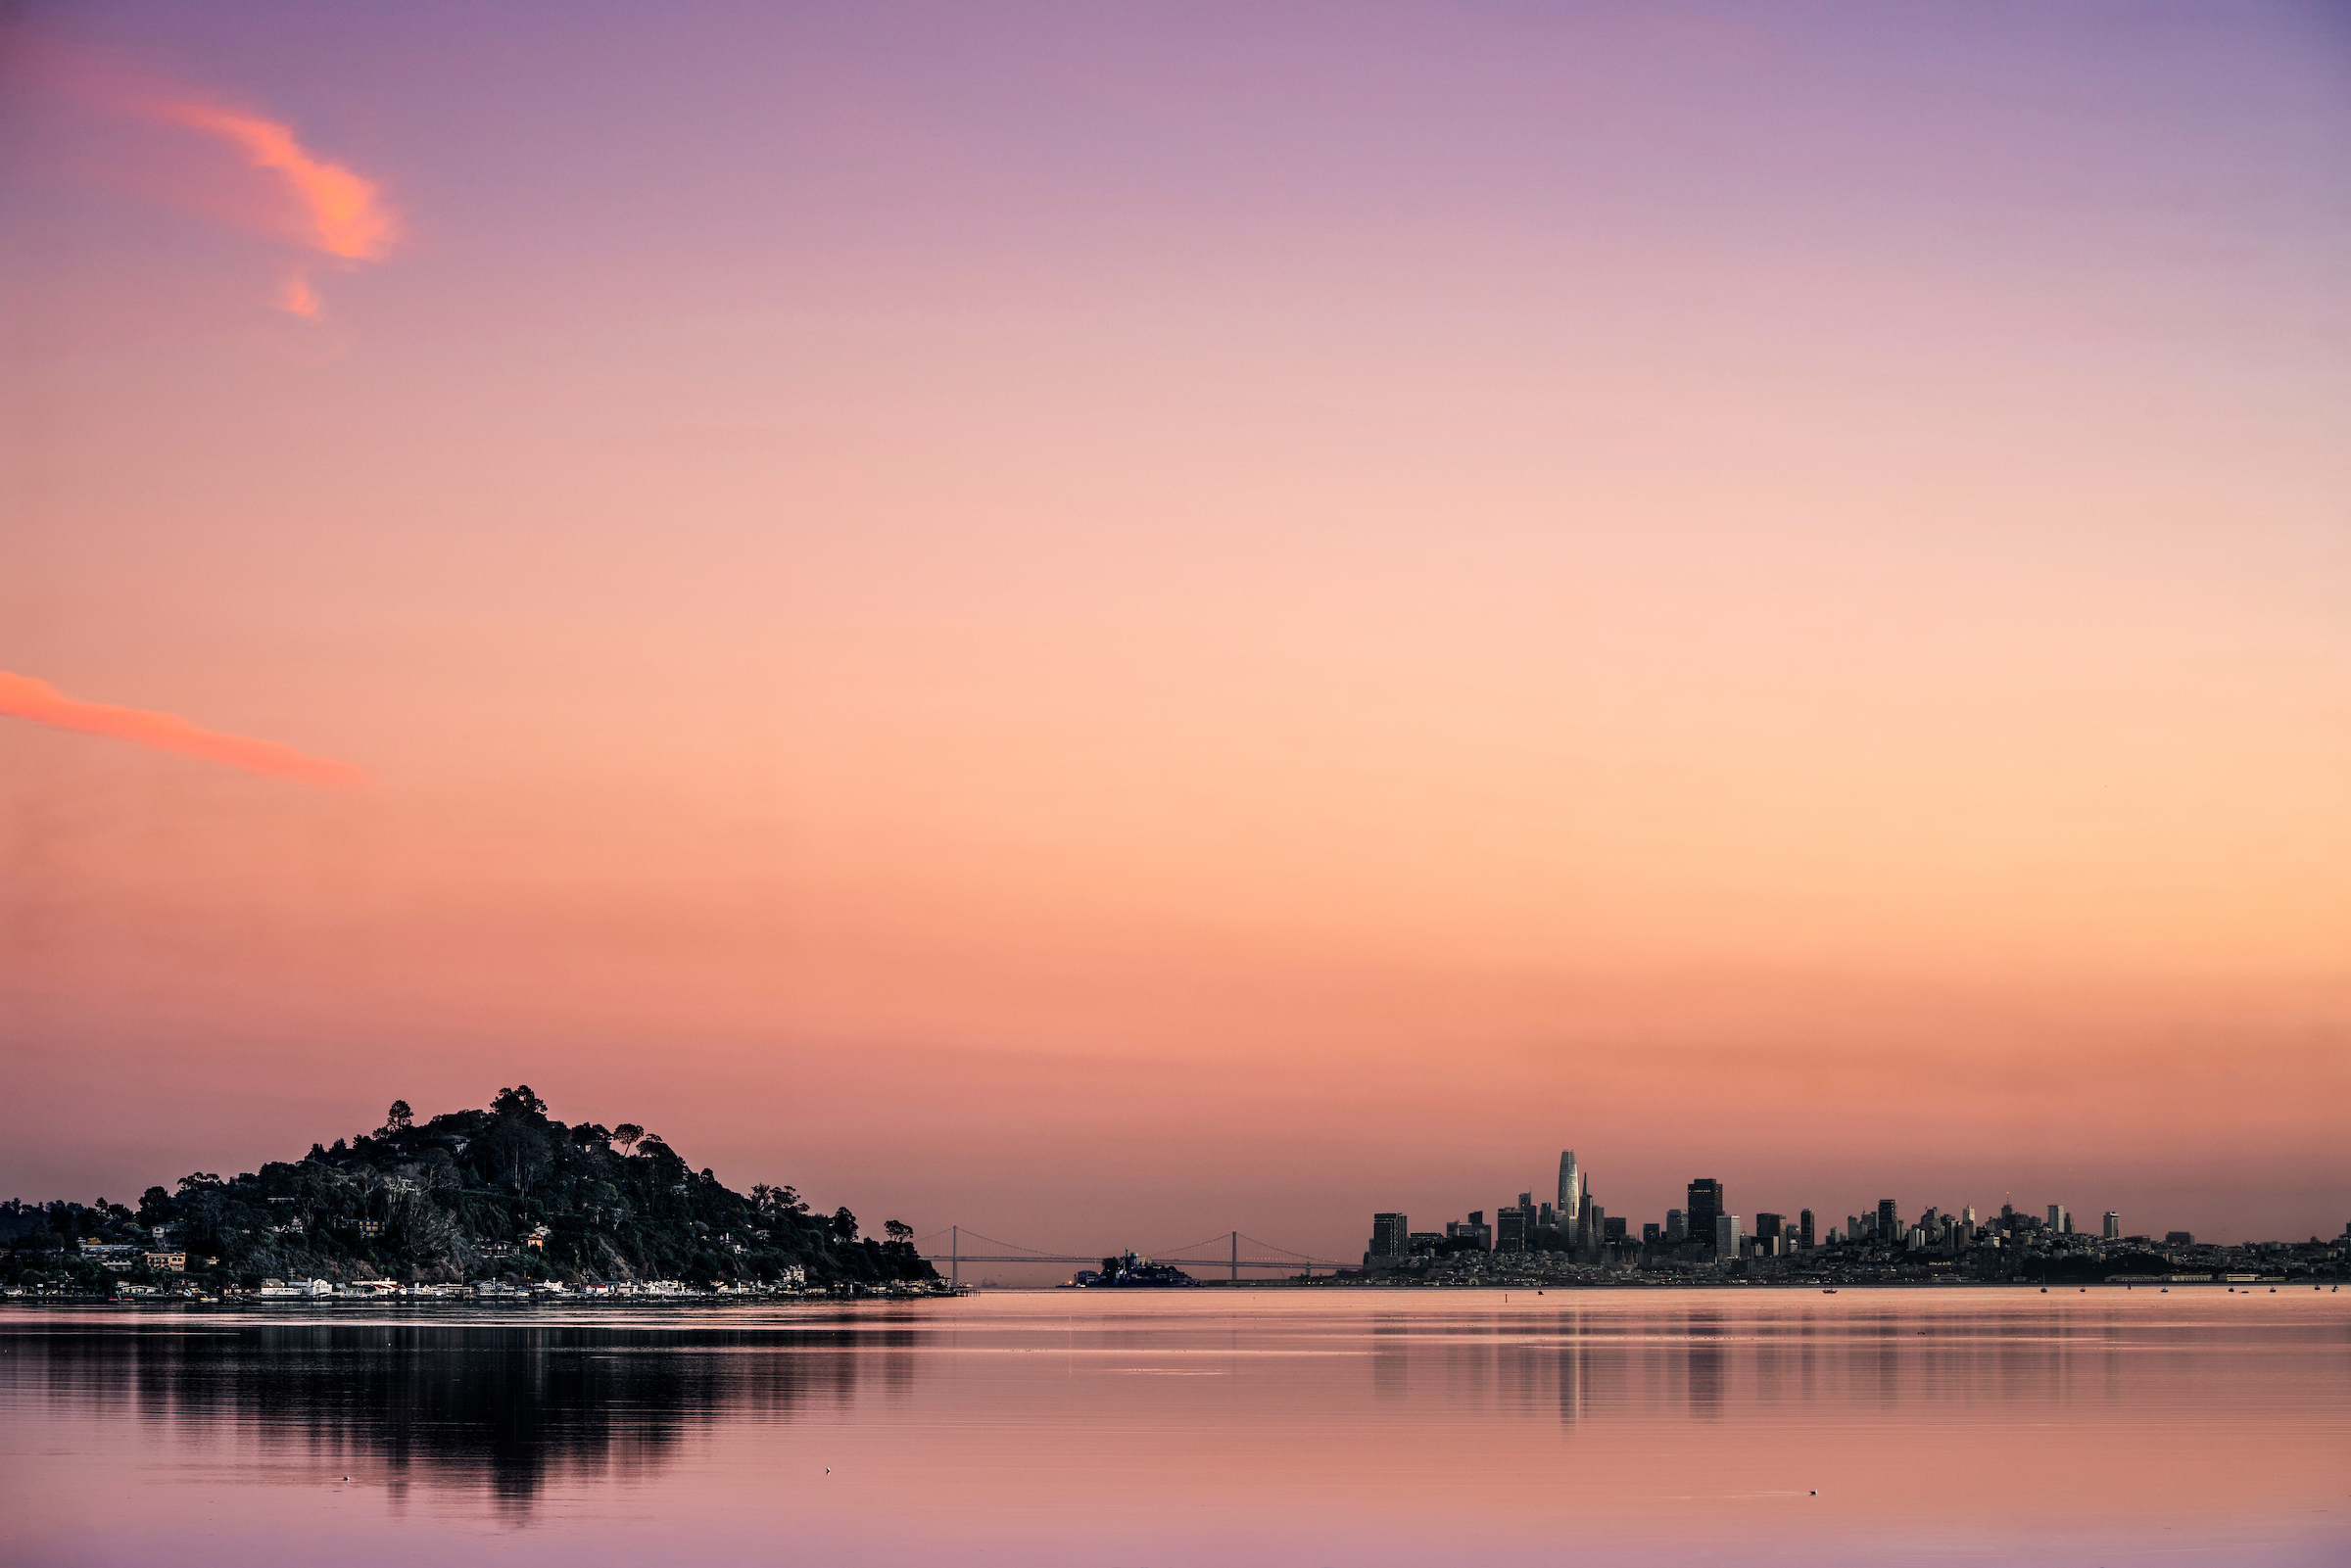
[1130,1272]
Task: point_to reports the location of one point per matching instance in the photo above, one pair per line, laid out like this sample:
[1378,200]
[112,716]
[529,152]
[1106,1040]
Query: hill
[506,1193]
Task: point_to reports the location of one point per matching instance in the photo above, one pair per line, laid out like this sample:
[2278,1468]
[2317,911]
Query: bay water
[1297,1426]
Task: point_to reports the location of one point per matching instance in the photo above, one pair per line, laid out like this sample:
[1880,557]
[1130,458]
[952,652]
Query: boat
[1130,1272]
[1828,1289]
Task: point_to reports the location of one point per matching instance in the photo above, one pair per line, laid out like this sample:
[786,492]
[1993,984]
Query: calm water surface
[1290,1427]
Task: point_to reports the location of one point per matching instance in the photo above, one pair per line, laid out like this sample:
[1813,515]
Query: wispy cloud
[346,214]
[284,187]
[297,297]
[23,697]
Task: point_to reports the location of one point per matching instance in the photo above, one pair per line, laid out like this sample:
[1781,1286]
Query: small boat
[1828,1289]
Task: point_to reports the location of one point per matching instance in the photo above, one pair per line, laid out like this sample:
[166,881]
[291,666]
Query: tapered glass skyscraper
[1571,1195]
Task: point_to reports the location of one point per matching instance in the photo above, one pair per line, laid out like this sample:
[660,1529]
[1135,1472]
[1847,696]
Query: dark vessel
[1130,1272]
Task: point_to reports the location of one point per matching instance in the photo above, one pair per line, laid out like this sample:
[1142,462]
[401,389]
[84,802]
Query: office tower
[1917,1239]
[1546,1217]
[1572,1194]
[2007,1212]
[1509,1229]
[1767,1226]
[1890,1222]
[1804,1232]
[1473,1229]
[1391,1236]
[2114,1226]
[2060,1220]
[1677,1226]
[2179,1238]
[1968,1216]
[1726,1236]
[1650,1236]
[1706,1203]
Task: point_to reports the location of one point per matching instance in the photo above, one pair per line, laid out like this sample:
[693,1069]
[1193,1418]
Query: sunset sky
[1108,624]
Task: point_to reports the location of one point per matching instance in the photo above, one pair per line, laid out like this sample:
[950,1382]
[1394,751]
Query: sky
[1108,626]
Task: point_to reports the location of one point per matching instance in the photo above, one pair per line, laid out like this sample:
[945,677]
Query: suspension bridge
[1186,1256]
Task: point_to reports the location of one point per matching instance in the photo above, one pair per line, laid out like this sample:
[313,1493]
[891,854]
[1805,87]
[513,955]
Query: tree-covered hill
[506,1193]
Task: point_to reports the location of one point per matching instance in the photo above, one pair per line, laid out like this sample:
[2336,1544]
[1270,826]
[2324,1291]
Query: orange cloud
[346,211]
[298,297]
[23,697]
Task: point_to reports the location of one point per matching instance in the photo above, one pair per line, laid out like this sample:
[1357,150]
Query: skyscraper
[2114,1226]
[1391,1236]
[1570,1203]
[1726,1236]
[1706,1201]
[1677,1226]
[1890,1222]
[1803,1231]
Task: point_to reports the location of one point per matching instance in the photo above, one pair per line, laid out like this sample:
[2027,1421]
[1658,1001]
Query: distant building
[1510,1228]
[1427,1241]
[1648,1234]
[170,1263]
[2059,1219]
[2114,1226]
[1726,1235]
[1391,1236]
[1767,1227]
[1570,1199]
[1708,1201]
[1889,1222]
[1805,1230]
[1613,1230]
[1474,1230]
[2177,1238]
[1677,1226]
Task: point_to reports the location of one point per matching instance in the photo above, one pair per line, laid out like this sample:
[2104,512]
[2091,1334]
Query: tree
[519,1102]
[845,1223]
[155,1208]
[898,1231]
[400,1119]
[626,1135]
[519,1152]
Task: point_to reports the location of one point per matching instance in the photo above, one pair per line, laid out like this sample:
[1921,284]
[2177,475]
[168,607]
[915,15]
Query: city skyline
[1710,1214]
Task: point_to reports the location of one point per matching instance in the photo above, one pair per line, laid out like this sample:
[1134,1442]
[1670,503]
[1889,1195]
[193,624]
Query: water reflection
[506,1407]
[1293,1422]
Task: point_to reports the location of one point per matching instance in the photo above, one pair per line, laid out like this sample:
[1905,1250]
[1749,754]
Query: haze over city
[1107,627]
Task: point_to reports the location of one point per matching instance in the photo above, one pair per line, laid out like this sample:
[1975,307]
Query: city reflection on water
[1243,1426]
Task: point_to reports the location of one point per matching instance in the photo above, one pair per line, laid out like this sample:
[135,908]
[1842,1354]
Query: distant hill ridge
[502,1193]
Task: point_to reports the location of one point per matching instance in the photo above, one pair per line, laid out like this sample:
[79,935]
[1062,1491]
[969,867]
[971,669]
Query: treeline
[506,1193]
